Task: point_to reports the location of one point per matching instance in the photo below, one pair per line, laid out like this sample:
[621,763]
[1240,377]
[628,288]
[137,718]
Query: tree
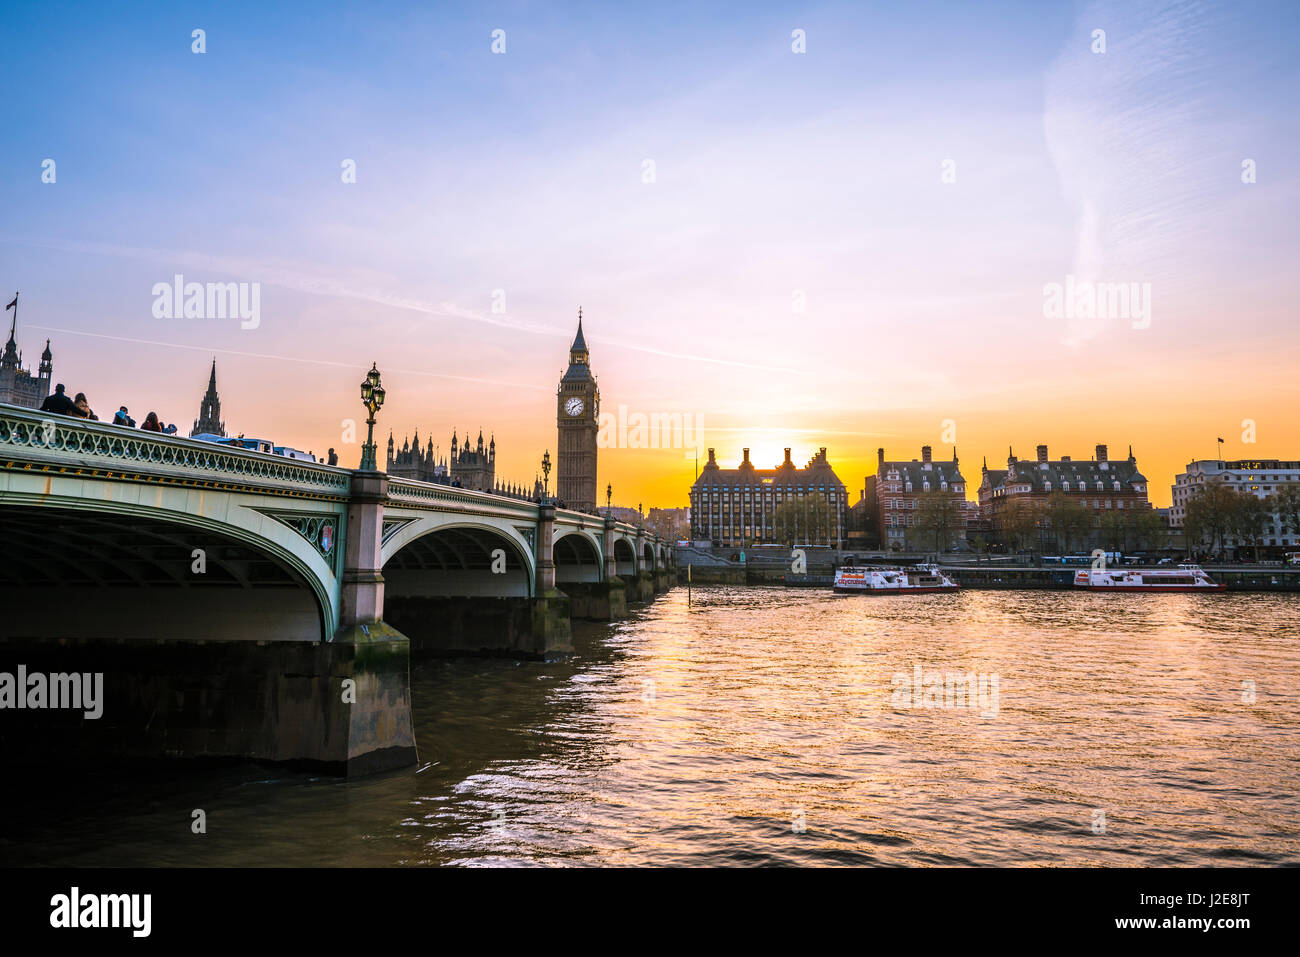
[1150,529]
[939,516]
[1286,502]
[1114,531]
[805,520]
[1067,518]
[1209,515]
[1020,521]
[1249,519]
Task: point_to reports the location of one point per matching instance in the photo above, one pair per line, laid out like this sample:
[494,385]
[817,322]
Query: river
[772,726]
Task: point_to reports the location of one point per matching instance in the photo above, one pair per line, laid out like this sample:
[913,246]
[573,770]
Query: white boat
[872,580]
[1182,578]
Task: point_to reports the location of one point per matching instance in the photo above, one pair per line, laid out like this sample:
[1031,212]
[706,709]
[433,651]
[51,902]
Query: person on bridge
[83,408]
[59,403]
[334,458]
[121,418]
[151,423]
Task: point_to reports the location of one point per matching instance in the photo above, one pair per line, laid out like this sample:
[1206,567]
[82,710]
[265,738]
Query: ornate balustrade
[32,440]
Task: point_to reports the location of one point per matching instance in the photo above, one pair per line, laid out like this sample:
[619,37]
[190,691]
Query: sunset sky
[780,178]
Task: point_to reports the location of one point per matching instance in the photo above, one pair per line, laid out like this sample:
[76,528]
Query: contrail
[264,355]
[313,285]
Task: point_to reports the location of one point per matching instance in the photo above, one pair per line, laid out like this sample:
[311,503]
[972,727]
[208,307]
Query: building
[674,524]
[1261,477]
[17,385]
[736,507]
[470,466]
[473,467]
[209,420]
[893,497]
[412,462]
[577,411]
[1100,485]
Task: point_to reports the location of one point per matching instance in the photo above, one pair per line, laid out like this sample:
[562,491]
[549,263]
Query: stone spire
[209,420]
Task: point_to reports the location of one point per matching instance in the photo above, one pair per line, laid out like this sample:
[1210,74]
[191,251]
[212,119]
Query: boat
[1182,578]
[877,580]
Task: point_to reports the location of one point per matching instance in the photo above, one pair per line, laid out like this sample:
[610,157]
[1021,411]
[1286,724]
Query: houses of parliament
[473,466]
[469,466]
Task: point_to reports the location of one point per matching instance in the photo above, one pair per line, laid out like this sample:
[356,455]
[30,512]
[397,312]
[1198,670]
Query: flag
[12,305]
[1220,441]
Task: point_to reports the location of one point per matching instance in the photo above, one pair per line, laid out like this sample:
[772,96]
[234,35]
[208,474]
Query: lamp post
[641,513]
[609,499]
[372,397]
[546,475]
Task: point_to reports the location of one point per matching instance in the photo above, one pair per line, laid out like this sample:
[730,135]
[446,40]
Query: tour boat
[921,580]
[1182,578]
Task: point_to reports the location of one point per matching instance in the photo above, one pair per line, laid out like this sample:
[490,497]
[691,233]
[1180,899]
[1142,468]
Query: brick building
[1099,484]
[892,497]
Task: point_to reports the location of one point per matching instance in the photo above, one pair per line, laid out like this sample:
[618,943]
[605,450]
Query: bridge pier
[372,659]
[604,600]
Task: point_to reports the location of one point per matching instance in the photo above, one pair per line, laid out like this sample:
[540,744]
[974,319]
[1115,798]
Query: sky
[848,247]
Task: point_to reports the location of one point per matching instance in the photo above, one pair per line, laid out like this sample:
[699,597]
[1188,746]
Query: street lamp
[372,397]
[609,499]
[546,475]
[640,512]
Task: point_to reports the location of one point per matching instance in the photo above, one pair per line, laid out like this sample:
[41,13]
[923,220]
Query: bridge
[245,605]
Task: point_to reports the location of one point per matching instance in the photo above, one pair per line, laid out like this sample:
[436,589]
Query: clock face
[573,406]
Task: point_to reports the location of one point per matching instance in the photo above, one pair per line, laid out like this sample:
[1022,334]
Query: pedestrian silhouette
[59,403]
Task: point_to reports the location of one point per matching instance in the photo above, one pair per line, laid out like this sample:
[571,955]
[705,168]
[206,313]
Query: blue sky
[776,173]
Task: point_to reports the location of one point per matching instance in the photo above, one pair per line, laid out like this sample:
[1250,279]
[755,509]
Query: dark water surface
[711,734]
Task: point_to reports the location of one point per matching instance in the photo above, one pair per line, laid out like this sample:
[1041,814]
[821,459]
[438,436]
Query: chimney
[1101,453]
[1042,453]
[712,460]
[880,460]
[787,459]
[925,454]
[746,461]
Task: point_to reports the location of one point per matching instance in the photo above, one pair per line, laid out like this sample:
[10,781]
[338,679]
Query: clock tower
[577,414]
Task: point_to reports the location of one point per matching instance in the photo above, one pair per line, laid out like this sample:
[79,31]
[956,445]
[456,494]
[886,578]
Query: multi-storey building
[1260,477]
[17,385]
[894,494]
[737,507]
[1099,485]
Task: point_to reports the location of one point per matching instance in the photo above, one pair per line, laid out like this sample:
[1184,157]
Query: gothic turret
[209,421]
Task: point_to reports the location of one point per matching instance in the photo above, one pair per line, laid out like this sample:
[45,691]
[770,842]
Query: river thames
[769,726]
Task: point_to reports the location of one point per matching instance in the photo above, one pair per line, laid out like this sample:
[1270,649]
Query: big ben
[577,415]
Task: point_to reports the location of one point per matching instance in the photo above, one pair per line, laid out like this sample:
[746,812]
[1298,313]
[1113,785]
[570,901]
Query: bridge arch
[648,559]
[141,569]
[577,556]
[624,556]
[447,556]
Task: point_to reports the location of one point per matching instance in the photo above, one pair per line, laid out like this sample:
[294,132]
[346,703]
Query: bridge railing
[433,494]
[29,437]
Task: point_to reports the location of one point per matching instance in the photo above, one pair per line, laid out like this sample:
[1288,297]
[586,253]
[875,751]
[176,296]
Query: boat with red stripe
[1186,578]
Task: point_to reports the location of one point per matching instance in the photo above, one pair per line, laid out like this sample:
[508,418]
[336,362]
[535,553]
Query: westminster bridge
[245,605]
